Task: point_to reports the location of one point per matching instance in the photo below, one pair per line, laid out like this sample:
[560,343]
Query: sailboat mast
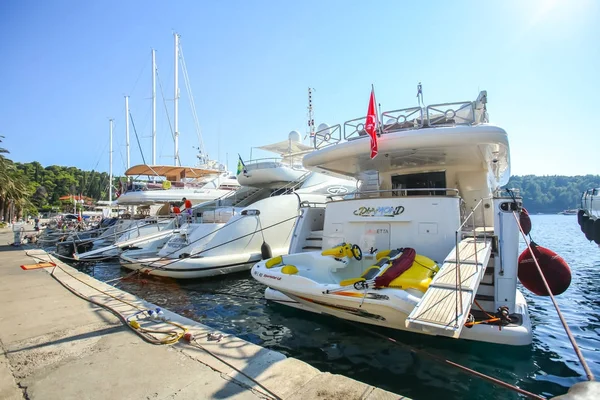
[176,100]
[127,131]
[153,107]
[110,151]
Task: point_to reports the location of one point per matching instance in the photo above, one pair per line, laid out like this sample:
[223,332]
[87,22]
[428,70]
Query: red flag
[371,124]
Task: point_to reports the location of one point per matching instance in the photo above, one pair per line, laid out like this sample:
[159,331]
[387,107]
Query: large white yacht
[429,244]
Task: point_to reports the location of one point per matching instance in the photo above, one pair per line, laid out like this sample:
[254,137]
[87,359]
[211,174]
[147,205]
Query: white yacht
[233,233]
[275,172]
[174,183]
[429,243]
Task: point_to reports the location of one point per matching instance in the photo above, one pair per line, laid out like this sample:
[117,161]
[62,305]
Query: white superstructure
[275,172]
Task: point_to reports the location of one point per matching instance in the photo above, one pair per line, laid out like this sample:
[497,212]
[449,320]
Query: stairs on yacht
[369,184]
[444,308]
[248,197]
[314,241]
[291,186]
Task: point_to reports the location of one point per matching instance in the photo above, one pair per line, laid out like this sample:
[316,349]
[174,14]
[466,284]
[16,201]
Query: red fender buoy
[525,221]
[555,270]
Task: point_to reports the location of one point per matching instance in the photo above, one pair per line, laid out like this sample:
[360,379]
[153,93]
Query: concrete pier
[55,345]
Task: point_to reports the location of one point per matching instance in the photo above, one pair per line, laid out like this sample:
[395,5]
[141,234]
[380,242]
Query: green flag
[241,166]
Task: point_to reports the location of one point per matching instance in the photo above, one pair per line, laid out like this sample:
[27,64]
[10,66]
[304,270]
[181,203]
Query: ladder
[444,308]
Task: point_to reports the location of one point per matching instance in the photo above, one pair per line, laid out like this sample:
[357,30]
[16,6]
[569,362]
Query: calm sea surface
[234,304]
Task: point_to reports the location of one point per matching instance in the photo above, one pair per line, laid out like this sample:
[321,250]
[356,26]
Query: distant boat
[569,212]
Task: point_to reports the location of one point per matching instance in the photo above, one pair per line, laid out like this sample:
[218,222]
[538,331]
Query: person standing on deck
[187,208]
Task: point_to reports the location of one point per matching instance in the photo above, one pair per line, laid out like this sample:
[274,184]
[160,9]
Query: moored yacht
[233,233]
[429,242]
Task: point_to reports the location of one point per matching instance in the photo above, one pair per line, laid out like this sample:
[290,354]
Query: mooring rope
[576,348]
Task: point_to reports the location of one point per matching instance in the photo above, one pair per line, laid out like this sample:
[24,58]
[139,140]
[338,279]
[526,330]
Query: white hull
[191,268]
[195,195]
[511,335]
[218,248]
[269,174]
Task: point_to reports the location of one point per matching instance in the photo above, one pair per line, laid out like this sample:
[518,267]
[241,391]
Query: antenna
[420,94]
[311,115]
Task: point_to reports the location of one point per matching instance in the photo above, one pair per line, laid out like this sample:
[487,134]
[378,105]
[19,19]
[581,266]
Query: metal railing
[293,185]
[405,118]
[274,162]
[458,235]
[405,192]
[434,115]
[444,114]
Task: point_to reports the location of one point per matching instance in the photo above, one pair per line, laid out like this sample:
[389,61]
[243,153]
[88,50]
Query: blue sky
[66,66]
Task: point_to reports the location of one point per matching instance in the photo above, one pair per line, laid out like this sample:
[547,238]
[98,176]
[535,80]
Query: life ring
[166,185]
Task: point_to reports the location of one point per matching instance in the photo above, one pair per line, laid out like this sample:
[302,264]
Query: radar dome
[294,136]
[323,127]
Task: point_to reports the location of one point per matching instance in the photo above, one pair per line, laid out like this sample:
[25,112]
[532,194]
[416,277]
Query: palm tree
[14,193]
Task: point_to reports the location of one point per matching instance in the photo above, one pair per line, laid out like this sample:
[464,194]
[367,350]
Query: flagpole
[377,121]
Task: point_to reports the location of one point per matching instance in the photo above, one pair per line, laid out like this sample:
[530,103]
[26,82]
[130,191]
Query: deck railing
[432,116]
[458,236]
[441,192]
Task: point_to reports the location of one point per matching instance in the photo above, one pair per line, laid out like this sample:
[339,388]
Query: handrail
[293,184]
[458,277]
[406,191]
[431,116]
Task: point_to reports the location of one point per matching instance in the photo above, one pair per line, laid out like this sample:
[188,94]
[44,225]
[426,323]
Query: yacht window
[427,180]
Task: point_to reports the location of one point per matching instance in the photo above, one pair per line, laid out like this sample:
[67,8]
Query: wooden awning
[171,172]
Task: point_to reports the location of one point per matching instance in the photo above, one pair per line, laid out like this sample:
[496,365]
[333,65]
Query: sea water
[234,304]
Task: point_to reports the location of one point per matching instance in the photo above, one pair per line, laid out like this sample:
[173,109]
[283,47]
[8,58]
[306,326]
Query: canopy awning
[75,197]
[171,172]
[286,147]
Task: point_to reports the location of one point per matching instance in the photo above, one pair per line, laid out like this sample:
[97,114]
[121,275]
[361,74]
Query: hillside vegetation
[31,188]
[554,193]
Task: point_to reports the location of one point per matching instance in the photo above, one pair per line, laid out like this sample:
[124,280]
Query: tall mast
[176,100]
[110,151]
[127,131]
[153,107]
